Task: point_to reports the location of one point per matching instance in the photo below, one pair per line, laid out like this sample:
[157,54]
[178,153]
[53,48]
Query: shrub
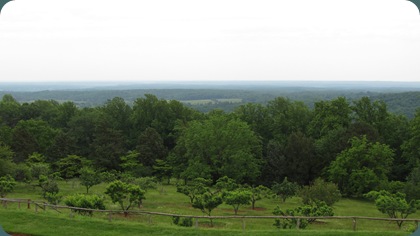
[288,223]
[182,221]
[320,191]
[317,209]
[85,201]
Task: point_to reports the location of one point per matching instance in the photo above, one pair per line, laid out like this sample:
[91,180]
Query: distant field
[212,101]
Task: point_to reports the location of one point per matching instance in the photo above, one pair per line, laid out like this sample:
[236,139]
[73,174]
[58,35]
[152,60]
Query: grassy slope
[166,199]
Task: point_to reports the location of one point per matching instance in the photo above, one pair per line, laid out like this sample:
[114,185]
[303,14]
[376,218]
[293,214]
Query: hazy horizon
[229,40]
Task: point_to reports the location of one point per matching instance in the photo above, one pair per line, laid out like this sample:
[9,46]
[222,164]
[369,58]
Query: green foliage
[207,202]
[162,169]
[285,189]
[318,208]
[48,185]
[89,177]
[53,197]
[257,193]
[146,183]
[70,166]
[394,204]
[182,221]
[126,195]
[412,186]
[194,188]
[320,191]
[7,184]
[85,201]
[223,146]
[237,197]
[362,167]
[288,223]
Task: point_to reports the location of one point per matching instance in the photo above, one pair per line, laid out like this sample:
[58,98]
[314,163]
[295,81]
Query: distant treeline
[404,103]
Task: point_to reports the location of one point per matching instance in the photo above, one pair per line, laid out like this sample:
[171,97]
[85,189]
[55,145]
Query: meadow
[166,199]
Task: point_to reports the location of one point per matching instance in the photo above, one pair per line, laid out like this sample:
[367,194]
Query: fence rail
[44,205]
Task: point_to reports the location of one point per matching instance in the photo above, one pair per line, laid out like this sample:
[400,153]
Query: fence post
[243,224]
[298,224]
[150,219]
[196,223]
[19,204]
[36,208]
[110,216]
[354,224]
[45,206]
[29,203]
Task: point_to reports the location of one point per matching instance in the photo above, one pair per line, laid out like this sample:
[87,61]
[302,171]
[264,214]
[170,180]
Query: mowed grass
[166,199]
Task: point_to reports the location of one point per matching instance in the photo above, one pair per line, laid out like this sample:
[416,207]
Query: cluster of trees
[359,146]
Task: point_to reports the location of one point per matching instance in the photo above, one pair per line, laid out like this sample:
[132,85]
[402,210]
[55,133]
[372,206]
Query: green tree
[362,167]
[285,189]
[330,115]
[320,191]
[394,205]
[69,166]
[31,136]
[237,197]
[7,166]
[151,147]
[130,163]
[7,184]
[10,112]
[207,202]
[227,147]
[162,169]
[89,178]
[126,195]
[194,188]
[258,193]
[49,186]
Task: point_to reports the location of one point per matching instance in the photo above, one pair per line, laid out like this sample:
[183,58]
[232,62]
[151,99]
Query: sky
[217,40]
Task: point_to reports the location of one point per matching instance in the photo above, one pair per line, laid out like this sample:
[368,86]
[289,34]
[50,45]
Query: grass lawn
[166,199]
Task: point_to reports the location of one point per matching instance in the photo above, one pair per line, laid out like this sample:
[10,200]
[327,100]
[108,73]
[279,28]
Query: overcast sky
[197,40]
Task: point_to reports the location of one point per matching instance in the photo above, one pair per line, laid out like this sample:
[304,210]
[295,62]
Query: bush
[317,209]
[320,191]
[85,201]
[288,223]
[182,221]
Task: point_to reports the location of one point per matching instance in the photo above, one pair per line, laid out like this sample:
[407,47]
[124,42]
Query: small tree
[162,169]
[89,177]
[7,184]
[258,193]
[318,208]
[320,191]
[285,190]
[197,187]
[207,202]
[226,184]
[49,186]
[394,205]
[126,195]
[238,197]
[288,223]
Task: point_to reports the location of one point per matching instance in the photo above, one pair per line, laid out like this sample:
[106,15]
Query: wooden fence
[37,205]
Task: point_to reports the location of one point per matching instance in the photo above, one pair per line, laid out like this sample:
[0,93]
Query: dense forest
[399,101]
[359,145]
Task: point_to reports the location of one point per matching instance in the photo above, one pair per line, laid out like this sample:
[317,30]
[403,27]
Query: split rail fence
[28,203]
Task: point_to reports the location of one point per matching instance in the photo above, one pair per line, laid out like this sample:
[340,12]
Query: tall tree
[330,115]
[362,167]
[226,146]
